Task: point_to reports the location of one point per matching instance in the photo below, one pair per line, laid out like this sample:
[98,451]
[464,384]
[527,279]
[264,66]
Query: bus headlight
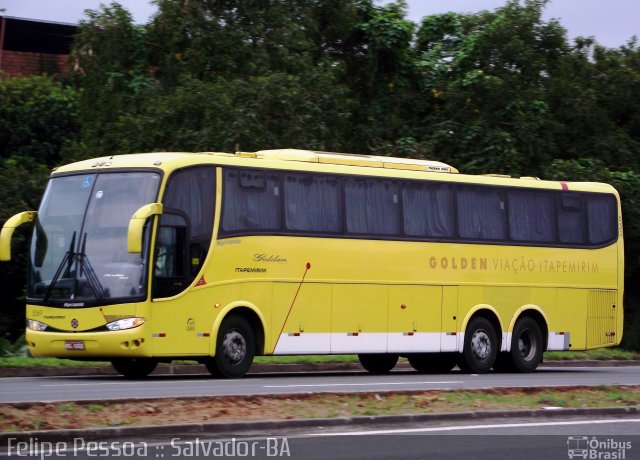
[34,325]
[128,323]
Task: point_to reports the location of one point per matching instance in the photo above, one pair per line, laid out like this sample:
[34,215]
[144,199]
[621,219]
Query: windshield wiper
[67,259]
[83,268]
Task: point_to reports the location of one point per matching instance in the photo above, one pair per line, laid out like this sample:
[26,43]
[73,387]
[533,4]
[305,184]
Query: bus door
[181,314]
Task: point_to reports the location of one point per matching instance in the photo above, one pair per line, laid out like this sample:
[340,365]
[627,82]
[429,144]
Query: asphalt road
[512,439]
[43,389]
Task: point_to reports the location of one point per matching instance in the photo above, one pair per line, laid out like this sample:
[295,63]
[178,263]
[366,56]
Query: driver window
[184,229]
[170,251]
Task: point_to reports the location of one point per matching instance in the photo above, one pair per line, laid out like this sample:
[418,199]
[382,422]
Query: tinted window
[532,216]
[192,191]
[313,203]
[481,214]
[260,202]
[428,210]
[184,229]
[372,207]
[251,201]
[603,218]
[571,219]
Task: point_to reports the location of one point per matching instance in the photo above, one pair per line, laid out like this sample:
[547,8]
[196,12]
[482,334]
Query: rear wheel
[526,345]
[480,347]
[235,349]
[378,363]
[134,368]
[432,363]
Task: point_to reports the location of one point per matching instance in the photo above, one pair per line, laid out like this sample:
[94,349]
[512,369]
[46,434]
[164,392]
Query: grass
[598,354]
[65,407]
[306,359]
[16,361]
[65,415]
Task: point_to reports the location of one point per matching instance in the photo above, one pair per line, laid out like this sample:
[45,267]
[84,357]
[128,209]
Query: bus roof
[350,159]
[297,159]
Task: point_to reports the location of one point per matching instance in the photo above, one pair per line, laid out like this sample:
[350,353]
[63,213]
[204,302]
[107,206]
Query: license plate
[74,345]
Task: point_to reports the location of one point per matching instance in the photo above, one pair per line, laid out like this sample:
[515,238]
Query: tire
[235,349]
[378,363]
[526,345]
[480,347]
[134,368]
[433,363]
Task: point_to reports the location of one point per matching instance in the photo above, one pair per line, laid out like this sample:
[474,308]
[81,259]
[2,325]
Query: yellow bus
[217,257]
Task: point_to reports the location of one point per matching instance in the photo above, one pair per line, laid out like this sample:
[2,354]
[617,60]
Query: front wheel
[235,349]
[134,368]
[480,347]
[378,363]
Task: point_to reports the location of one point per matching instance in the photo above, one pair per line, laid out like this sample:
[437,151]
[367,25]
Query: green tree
[594,100]
[21,186]
[38,117]
[485,79]
[38,121]
[220,74]
[111,71]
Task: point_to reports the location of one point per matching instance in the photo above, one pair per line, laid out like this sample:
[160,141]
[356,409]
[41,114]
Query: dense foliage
[497,91]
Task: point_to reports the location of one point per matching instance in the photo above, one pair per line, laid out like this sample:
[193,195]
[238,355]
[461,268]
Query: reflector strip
[407,333]
[352,334]
[162,334]
[203,334]
[294,334]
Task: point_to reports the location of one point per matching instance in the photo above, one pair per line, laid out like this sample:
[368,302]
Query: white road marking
[357,384]
[147,382]
[479,427]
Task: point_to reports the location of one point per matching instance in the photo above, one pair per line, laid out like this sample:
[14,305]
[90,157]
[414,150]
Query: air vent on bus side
[356,160]
[601,317]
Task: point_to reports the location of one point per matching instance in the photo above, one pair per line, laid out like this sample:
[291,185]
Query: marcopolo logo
[594,448]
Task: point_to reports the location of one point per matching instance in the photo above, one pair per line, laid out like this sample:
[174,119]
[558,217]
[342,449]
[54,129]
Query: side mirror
[136,224]
[7,232]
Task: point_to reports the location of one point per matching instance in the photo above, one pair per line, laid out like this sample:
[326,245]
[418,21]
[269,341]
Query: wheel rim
[480,345]
[527,345]
[234,347]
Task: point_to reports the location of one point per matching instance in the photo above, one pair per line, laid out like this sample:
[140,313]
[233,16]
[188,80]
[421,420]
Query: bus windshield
[79,249]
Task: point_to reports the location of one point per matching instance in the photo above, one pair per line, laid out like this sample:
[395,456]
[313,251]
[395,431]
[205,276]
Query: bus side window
[251,202]
[572,224]
[428,210]
[532,216]
[312,203]
[372,207]
[481,213]
[603,218]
